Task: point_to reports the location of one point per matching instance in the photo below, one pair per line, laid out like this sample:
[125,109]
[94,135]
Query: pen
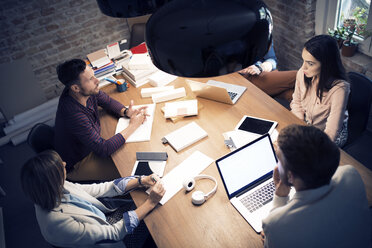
[112,81]
[153,179]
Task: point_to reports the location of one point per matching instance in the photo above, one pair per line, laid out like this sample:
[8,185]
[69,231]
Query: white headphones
[198,197]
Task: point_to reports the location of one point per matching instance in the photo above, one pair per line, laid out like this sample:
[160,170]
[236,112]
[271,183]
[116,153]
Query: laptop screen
[248,165]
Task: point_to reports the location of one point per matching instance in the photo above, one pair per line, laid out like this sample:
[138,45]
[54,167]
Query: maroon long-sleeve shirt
[77,128]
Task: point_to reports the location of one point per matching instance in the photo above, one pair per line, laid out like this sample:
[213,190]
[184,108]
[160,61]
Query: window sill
[359,63]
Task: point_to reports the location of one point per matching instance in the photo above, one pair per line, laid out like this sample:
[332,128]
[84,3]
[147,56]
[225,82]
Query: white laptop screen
[247,165]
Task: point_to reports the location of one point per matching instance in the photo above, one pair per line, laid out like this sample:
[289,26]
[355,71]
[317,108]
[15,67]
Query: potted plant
[339,34]
[349,46]
[350,23]
[361,16]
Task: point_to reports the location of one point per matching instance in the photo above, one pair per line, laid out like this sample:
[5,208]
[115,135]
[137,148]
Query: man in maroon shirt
[77,130]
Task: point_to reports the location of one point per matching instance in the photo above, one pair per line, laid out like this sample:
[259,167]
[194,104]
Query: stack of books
[138,69]
[101,63]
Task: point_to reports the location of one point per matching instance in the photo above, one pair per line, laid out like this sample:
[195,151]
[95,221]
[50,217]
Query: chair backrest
[137,35]
[359,105]
[41,137]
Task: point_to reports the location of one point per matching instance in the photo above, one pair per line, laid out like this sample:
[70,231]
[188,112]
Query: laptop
[217,91]
[247,176]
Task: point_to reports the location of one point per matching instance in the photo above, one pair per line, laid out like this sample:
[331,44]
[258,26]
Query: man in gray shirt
[330,207]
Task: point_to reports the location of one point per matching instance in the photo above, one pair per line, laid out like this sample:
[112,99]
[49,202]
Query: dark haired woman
[70,215]
[321,91]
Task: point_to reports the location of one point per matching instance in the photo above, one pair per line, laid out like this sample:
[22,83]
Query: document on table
[143,132]
[190,167]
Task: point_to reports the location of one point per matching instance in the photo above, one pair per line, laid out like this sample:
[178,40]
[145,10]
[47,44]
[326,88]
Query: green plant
[361,15]
[338,33]
[349,41]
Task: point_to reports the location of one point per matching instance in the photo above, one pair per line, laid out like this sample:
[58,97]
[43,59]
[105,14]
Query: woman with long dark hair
[321,91]
[70,215]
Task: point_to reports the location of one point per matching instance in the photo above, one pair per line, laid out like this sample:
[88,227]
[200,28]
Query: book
[98,58]
[138,74]
[141,48]
[116,49]
[160,78]
[185,136]
[135,83]
[140,61]
[181,108]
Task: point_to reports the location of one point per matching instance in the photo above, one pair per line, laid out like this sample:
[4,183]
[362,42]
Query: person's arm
[281,191]
[109,104]
[137,117]
[296,104]
[85,131]
[336,116]
[267,64]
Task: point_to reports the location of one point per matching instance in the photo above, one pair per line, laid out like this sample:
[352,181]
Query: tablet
[256,125]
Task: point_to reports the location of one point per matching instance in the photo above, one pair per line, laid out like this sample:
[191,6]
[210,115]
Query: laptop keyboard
[259,197]
[232,95]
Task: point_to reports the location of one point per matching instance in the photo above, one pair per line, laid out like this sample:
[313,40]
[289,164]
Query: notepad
[143,132]
[185,136]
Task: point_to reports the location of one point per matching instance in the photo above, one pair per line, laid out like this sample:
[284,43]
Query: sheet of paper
[143,132]
[192,166]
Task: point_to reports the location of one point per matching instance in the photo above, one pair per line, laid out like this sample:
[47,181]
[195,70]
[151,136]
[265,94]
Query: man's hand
[151,180]
[157,192]
[131,111]
[281,189]
[262,235]
[137,119]
[251,70]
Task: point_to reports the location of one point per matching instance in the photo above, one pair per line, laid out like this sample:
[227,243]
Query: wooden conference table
[216,223]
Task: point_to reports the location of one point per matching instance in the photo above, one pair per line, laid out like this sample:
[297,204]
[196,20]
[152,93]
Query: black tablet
[256,125]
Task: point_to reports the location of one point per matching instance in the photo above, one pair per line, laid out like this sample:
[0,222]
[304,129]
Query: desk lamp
[205,38]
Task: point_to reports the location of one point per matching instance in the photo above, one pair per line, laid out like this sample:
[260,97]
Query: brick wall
[294,24]
[47,32]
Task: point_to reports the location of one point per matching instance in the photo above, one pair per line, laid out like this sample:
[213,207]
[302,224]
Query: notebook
[247,176]
[185,136]
[217,91]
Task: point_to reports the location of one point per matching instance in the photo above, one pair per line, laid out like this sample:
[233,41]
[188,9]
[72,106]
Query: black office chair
[359,105]
[41,137]
[359,140]
[137,35]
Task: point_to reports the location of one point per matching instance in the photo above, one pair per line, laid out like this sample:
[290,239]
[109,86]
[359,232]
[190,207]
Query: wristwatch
[140,180]
[125,113]
[260,68]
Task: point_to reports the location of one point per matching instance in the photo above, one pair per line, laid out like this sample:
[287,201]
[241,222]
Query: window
[352,14]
